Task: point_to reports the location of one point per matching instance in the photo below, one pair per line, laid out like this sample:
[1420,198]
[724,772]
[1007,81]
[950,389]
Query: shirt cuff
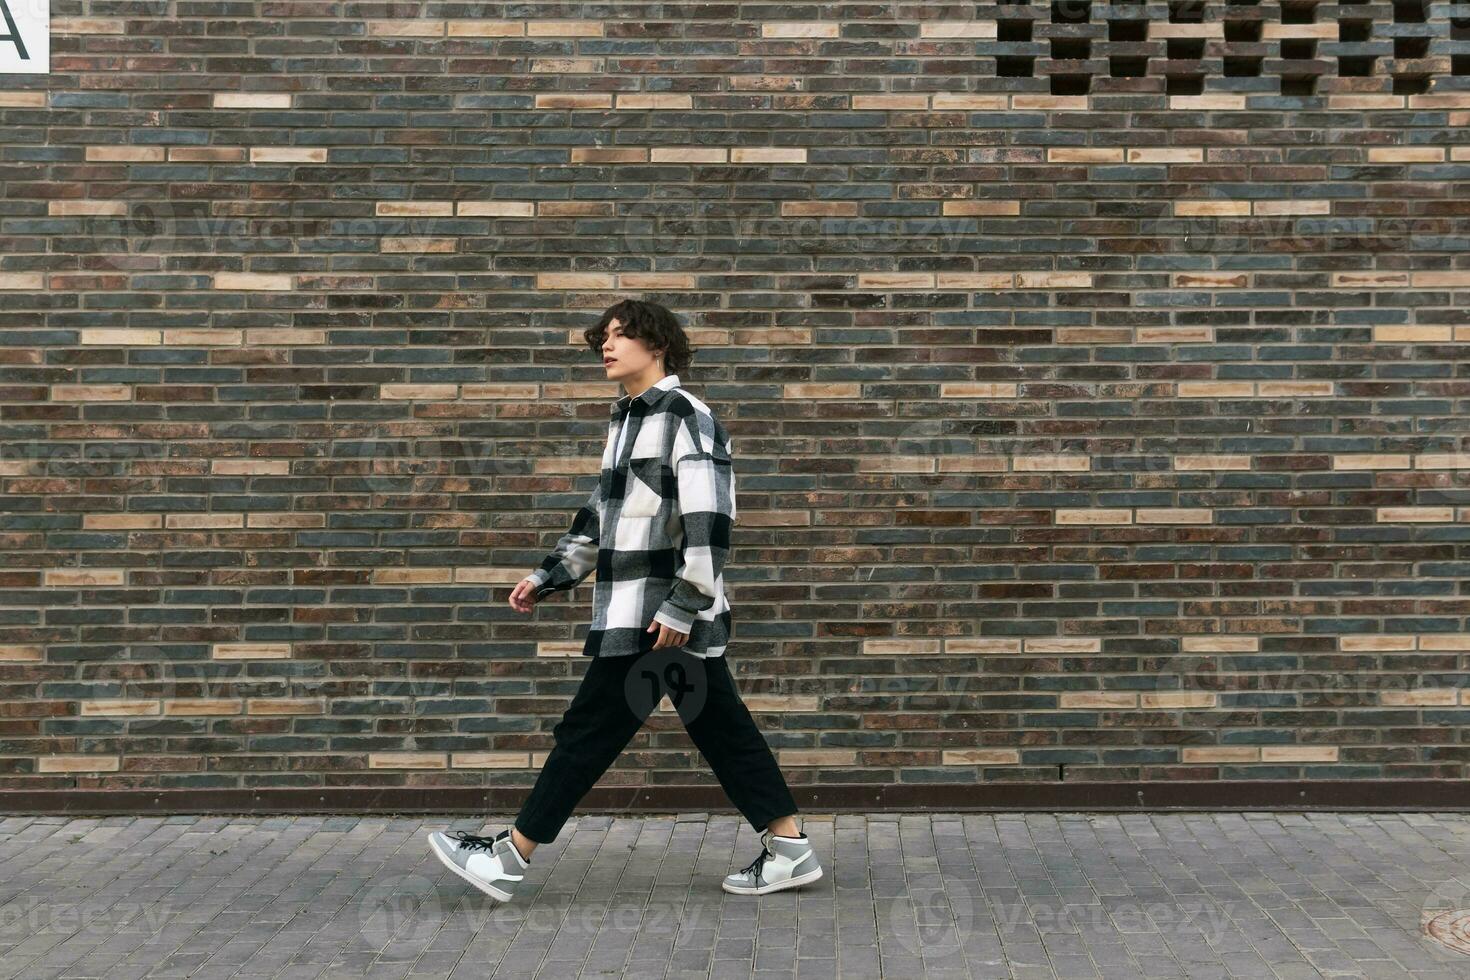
[674,618]
[540,577]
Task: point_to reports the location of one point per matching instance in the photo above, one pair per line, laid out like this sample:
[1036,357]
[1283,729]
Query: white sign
[25,37]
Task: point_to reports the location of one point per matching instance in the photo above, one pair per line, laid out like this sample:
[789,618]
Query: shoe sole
[795,882]
[483,886]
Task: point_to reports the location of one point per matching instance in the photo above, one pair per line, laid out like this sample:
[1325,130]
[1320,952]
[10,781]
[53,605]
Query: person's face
[629,357]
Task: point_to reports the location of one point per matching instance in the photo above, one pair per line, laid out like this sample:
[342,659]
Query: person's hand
[523,597]
[667,635]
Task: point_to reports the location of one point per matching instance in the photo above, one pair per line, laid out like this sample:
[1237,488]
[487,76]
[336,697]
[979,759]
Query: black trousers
[616,696]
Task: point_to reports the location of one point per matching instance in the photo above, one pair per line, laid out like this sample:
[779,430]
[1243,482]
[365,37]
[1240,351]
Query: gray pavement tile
[1168,895]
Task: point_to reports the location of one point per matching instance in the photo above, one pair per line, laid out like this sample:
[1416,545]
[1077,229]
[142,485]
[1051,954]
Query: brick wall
[1096,373]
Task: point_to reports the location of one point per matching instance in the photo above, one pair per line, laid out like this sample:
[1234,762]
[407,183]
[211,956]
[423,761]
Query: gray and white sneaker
[784,862]
[491,864]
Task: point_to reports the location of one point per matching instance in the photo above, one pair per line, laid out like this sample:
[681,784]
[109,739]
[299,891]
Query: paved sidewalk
[904,895]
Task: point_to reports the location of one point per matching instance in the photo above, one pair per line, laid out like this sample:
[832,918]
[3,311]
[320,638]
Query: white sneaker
[491,864]
[784,862]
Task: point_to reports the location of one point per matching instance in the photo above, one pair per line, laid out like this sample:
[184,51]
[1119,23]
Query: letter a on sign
[25,37]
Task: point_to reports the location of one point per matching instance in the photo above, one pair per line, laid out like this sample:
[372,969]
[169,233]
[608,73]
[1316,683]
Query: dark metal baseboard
[1415,794]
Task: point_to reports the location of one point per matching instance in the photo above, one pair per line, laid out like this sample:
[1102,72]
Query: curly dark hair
[655,325]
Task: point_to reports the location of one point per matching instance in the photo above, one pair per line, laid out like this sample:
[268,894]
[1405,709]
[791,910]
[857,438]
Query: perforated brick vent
[1189,47]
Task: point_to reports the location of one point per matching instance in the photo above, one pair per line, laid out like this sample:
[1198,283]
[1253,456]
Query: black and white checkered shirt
[656,529]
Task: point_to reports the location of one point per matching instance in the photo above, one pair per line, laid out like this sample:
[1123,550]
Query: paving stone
[907,895]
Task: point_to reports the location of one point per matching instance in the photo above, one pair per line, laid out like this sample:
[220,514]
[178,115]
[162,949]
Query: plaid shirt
[656,529]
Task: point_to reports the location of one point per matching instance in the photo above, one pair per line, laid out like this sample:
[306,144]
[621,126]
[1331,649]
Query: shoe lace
[755,866]
[471,841]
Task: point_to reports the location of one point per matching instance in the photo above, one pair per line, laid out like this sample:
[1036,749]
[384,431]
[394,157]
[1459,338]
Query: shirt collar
[647,395]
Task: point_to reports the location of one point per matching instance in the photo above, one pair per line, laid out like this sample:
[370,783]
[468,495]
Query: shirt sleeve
[575,554]
[705,503]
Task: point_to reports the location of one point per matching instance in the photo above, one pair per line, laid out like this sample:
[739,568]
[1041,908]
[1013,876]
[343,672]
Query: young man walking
[657,531]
